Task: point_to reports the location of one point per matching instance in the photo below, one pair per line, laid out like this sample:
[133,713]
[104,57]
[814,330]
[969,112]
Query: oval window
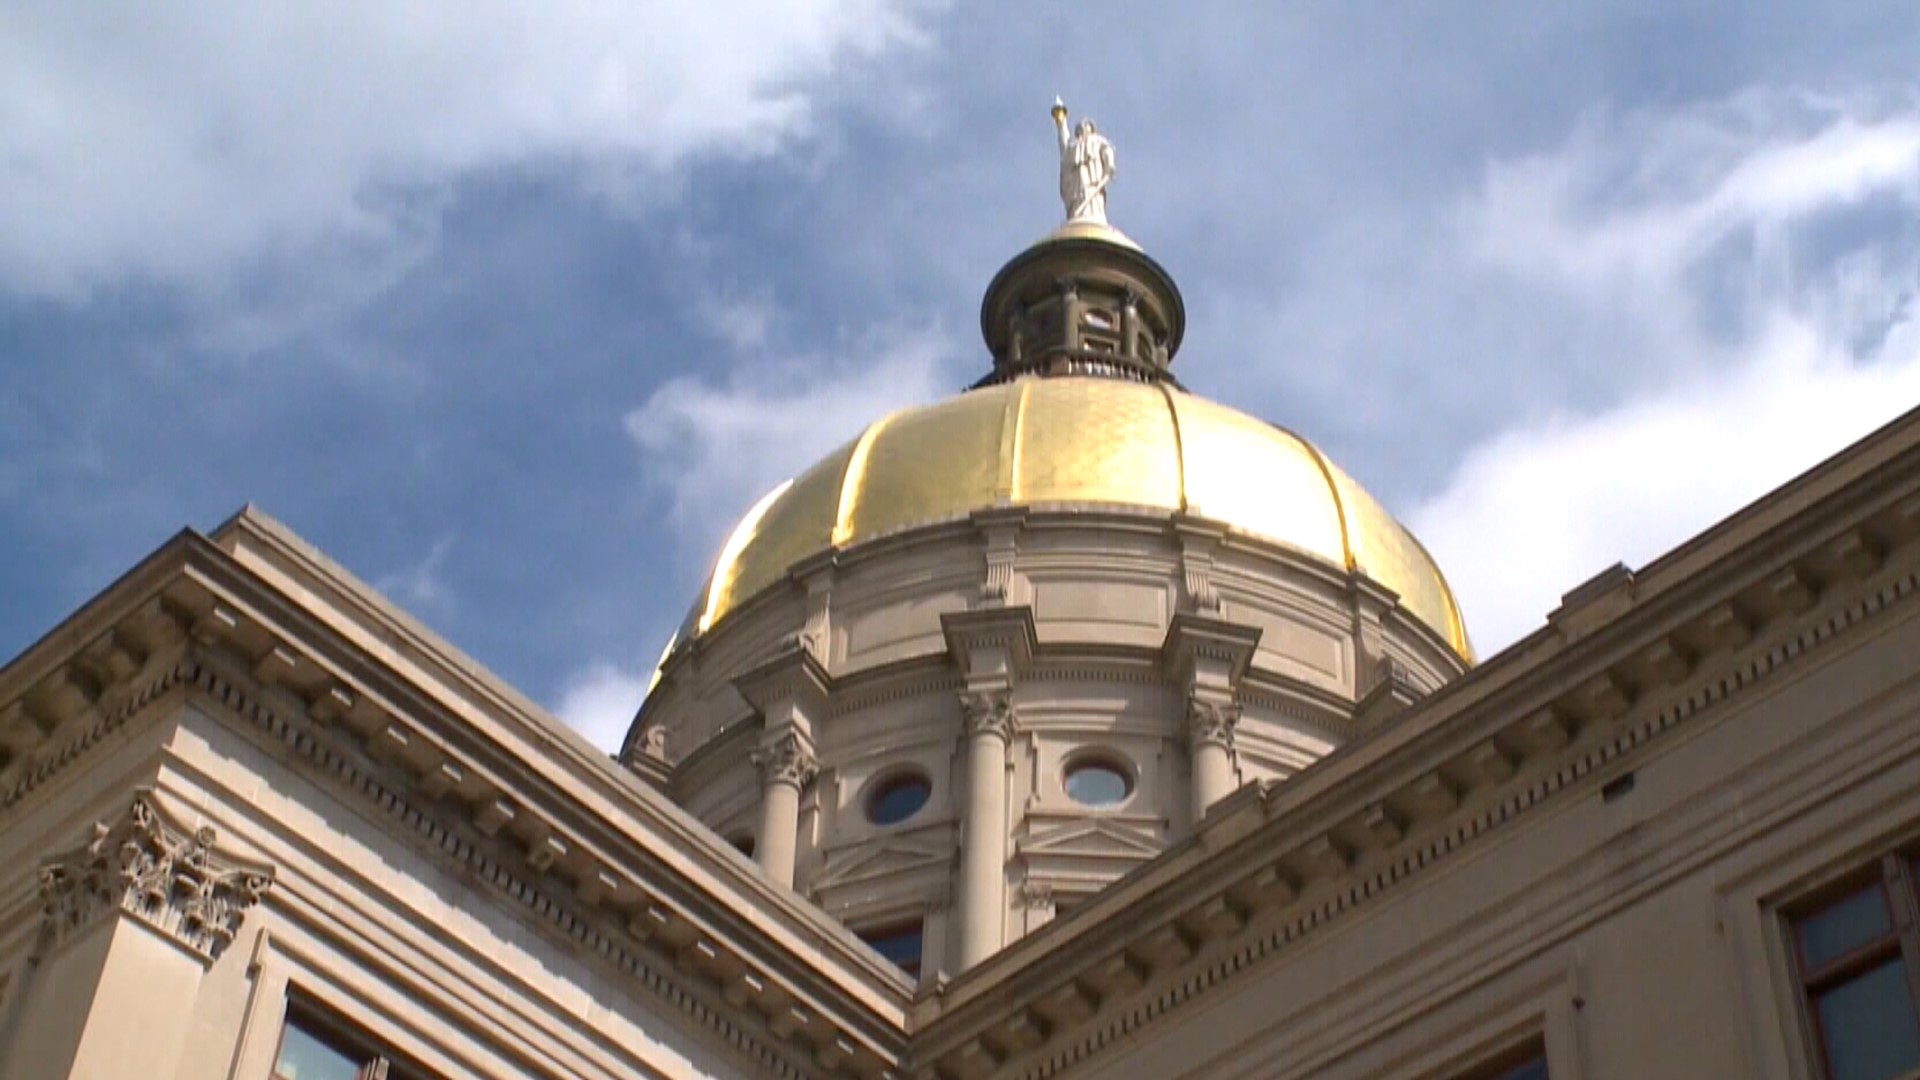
[1098,781]
[898,797]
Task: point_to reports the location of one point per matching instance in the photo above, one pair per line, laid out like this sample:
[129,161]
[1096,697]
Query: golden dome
[1078,442]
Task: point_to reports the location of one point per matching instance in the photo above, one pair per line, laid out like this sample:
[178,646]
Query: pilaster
[131,920]
[1206,657]
[990,647]
[790,692]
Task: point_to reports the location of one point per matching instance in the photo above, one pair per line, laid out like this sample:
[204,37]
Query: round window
[898,797]
[1098,781]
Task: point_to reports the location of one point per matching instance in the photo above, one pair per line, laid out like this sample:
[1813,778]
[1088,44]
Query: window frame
[377,1061]
[1896,874]
[885,783]
[1513,1058]
[1104,757]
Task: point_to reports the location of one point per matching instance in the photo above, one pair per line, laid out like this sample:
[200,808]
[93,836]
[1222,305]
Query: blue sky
[513,309]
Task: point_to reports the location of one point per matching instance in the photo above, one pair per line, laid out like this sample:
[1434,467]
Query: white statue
[1086,168]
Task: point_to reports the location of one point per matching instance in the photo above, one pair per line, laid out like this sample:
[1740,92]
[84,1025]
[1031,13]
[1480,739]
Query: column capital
[988,712]
[143,865]
[1211,722]
[786,759]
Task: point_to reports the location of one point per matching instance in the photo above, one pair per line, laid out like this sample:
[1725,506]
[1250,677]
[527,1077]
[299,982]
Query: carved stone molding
[786,760]
[144,865]
[1211,722]
[1002,549]
[1036,894]
[988,712]
[653,742]
[816,637]
[1196,566]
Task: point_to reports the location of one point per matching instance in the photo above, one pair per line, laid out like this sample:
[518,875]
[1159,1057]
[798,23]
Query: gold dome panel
[1078,442]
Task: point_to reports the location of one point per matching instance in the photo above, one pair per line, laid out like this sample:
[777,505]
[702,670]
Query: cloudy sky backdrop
[513,308]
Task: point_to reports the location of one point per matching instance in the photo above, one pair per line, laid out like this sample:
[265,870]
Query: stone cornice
[791,676]
[143,865]
[1006,631]
[677,960]
[1196,640]
[1538,720]
[638,922]
[575,822]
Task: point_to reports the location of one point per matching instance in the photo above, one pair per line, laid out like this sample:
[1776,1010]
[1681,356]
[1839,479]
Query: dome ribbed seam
[1180,446]
[1333,488]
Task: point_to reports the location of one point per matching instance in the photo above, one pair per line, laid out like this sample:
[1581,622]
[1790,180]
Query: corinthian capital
[145,866]
[1211,722]
[987,712]
[788,759]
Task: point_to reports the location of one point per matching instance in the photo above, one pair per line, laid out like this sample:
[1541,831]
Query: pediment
[879,859]
[1094,838]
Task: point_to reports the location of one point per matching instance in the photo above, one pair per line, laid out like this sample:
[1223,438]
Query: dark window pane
[1531,1070]
[1096,784]
[303,1056]
[1869,1024]
[1843,926]
[898,799]
[900,944]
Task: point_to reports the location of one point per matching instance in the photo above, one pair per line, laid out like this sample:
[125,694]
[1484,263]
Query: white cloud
[184,143]
[1811,341]
[422,585]
[1540,509]
[715,449]
[600,701]
[743,322]
[1626,207]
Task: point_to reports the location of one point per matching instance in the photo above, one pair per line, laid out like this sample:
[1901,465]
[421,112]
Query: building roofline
[266,583]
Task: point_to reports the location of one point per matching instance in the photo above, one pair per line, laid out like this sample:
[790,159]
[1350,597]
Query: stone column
[131,920]
[1210,746]
[983,845]
[787,764]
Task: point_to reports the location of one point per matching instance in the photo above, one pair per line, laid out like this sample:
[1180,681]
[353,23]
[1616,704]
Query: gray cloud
[182,144]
